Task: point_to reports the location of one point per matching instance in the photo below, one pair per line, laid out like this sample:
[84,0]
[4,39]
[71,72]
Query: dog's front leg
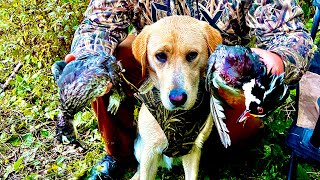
[191,161]
[149,164]
[153,142]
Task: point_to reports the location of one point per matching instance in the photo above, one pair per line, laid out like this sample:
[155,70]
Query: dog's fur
[181,38]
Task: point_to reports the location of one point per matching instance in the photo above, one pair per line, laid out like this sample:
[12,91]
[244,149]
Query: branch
[13,74]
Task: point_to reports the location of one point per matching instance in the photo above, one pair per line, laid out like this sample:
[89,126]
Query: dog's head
[175,51]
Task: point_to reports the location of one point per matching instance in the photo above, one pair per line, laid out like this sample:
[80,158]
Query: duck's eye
[260,110]
[191,56]
[162,57]
[227,79]
[262,69]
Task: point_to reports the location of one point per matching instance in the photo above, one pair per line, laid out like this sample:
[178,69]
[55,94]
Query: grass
[37,33]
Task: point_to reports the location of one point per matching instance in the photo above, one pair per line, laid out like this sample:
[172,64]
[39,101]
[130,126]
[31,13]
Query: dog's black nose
[177,97]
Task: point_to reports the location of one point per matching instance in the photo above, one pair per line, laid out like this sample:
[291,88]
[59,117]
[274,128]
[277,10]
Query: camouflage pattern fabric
[180,127]
[275,24]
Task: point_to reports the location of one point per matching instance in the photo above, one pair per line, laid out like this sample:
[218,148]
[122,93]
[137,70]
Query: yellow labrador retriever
[174,120]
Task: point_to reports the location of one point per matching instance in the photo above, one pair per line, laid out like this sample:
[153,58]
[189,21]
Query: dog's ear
[139,48]
[212,35]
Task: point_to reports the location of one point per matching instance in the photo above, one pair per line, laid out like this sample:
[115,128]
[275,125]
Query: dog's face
[175,50]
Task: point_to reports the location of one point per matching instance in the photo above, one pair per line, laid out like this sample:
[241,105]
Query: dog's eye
[191,56]
[162,57]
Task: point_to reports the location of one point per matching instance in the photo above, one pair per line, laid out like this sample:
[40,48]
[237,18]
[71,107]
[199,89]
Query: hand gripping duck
[238,79]
[81,81]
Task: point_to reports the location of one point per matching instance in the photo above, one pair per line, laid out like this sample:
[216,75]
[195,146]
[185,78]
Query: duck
[241,91]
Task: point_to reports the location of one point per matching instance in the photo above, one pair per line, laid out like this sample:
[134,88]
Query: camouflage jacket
[275,24]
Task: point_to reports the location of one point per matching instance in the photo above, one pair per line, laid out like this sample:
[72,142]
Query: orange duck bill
[246,115]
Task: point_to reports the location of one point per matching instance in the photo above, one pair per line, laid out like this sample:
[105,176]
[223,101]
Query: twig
[13,74]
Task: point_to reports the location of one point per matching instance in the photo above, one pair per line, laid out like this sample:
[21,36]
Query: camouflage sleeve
[105,25]
[278,27]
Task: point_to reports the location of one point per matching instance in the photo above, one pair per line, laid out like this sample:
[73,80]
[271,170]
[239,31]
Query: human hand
[69,58]
[271,60]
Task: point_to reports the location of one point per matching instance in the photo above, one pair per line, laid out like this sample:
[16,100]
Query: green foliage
[308,12]
[38,33]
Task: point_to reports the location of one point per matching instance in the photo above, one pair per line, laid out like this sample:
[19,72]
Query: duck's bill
[246,115]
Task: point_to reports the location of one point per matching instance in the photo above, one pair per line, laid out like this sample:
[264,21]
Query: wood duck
[263,96]
[237,80]
[81,81]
